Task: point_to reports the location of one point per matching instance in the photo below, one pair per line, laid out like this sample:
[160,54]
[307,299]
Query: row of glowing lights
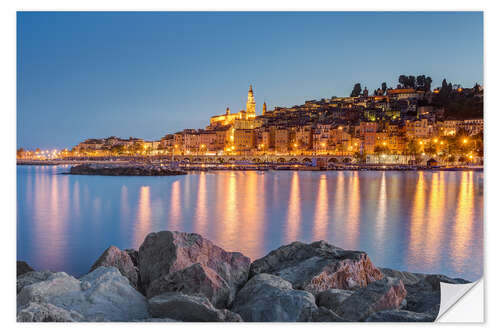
[55,152]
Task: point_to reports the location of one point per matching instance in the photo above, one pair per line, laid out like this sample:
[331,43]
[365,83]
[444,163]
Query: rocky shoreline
[177,276]
[123,170]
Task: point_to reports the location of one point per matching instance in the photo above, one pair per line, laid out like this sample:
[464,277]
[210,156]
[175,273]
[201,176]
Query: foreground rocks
[114,257]
[177,261]
[23,267]
[318,267]
[270,298]
[189,308]
[176,276]
[123,170]
[102,295]
[385,294]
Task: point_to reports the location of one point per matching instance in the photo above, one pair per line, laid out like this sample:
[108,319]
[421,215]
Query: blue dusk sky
[96,74]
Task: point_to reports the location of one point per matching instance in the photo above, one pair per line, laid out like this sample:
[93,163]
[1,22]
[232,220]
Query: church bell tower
[250,104]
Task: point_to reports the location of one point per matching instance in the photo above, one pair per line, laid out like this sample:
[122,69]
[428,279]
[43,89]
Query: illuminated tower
[250,104]
[264,109]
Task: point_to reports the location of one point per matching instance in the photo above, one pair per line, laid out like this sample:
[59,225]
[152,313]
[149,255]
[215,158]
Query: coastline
[170,278]
[184,168]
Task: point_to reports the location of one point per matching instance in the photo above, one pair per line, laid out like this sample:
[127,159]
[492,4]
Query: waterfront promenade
[259,163]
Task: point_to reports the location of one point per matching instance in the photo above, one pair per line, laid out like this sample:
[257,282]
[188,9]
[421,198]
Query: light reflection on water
[418,221]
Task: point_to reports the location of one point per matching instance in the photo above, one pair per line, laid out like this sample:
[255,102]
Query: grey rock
[318,266]
[194,280]
[423,290]
[332,298]
[399,316]
[422,298]
[114,257]
[178,306]
[434,280]
[385,294]
[30,278]
[45,312]
[406,277]
[101,295]
[23,267]
[323,314]
[268,298]
[166,252]
[155,320]
[134,255]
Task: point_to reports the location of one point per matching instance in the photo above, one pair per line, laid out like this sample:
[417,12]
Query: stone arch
[281,160]
[197,159]
[177,159]
[294,160]
[307,160]
[186,160]
[231,160]
[333,160]
[256,160]
[220,160]
[346,160]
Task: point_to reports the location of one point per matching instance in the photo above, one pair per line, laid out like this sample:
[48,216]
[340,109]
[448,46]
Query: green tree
[421,82]
[412,147]
[360,157]
[430,149]
[411,82]
[356,90]
[381,150]
[428,82]
[136,148]
[403,79]
[384,87]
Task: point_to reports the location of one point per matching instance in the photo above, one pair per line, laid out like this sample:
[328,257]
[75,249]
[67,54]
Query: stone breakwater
[123,170]
[177,276]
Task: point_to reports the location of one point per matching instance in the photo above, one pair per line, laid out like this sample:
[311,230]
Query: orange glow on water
[320,226]
[201,205]
[353,211]
[381,218]
[293,216]
[462,231]
[143,225]
[417,219]
[175,206]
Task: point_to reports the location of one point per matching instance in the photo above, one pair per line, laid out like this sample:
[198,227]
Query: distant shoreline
[277,167]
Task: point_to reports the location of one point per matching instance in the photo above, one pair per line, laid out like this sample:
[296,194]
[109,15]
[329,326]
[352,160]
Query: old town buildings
[388,123]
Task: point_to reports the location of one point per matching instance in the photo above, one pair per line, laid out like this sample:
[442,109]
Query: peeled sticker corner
[461,303]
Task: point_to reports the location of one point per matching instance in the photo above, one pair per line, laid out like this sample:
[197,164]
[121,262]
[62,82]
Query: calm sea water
[429,222]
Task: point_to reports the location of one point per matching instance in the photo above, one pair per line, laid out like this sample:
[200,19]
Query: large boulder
[30,278]
[318,266]
[114,257]
[45,312]
[193,280]
[332,298]
[268,298]
[23,267]
[399,316]
[101,295]
[423,290]
[385,294]
[165,253]
[178,306]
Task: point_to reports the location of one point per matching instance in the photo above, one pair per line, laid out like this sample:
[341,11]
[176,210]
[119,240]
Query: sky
[87,75]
